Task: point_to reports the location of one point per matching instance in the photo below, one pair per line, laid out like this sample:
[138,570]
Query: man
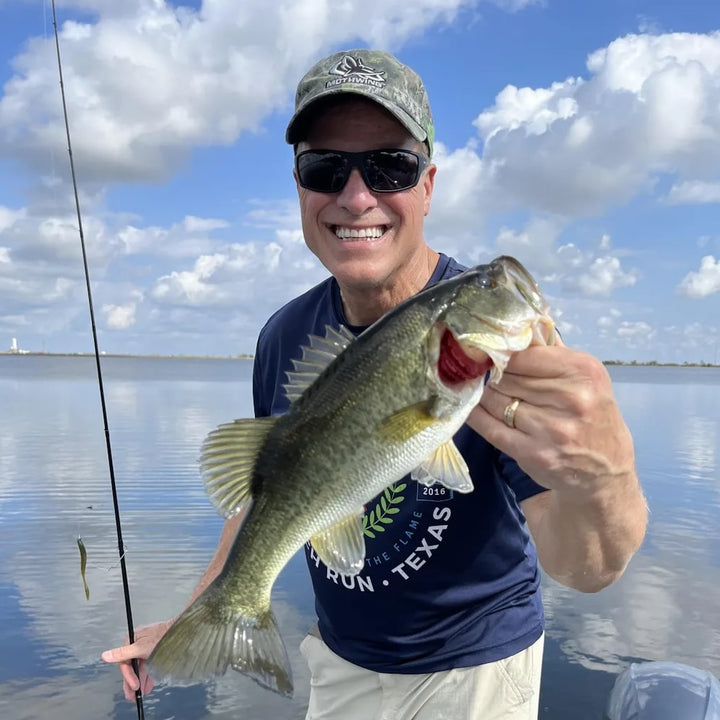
[447,619]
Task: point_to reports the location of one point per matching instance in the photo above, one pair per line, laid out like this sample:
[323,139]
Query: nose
[356,197]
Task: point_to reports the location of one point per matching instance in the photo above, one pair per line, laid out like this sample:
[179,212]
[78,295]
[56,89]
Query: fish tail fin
[207,638]
[259,652]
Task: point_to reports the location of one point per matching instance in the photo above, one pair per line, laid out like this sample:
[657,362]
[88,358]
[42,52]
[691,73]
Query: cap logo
[351,69]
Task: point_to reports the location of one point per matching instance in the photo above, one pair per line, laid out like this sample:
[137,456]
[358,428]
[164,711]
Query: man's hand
[146,638]
[569,436]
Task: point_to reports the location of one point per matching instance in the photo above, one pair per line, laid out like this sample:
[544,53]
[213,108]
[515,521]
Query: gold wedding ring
[509,413]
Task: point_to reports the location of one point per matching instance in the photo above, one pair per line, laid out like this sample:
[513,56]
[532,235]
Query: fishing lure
[83,566]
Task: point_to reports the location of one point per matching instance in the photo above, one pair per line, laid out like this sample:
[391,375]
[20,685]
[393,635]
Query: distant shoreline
[28,353]
[630,363]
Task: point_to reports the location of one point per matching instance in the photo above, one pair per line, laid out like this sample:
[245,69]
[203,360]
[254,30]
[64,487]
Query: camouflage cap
[373,74]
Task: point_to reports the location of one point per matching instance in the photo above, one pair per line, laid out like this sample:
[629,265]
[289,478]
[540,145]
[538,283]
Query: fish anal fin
[227,462]
[342,546]
[445,466]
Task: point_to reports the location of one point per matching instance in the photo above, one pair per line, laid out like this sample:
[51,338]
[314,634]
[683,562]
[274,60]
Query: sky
[581,137]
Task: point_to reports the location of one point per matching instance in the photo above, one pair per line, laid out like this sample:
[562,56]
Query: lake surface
[54,488]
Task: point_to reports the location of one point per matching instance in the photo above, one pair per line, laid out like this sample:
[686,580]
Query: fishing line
[118,525]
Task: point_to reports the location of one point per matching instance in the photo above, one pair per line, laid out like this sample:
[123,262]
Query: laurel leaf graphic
[379,515]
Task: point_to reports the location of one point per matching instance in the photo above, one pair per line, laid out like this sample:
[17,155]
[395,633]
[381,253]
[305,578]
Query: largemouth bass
[365,412]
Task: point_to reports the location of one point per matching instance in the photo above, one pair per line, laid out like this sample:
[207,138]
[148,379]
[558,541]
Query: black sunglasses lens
[382,170]
[391,171]
[322,172]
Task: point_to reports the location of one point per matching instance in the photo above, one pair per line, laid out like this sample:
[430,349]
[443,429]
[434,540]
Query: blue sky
[581,137]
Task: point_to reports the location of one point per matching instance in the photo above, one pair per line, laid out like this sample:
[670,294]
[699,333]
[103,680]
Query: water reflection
[54,488]
[666,606]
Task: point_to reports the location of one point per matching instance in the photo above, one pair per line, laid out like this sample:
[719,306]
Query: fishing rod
[108,446]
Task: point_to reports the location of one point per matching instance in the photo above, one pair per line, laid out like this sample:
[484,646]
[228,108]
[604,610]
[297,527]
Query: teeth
[373,232]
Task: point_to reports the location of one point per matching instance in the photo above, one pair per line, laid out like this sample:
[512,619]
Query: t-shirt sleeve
[519,481]
[261,401]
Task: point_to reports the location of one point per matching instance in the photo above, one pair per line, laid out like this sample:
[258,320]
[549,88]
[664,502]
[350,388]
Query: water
[54,488]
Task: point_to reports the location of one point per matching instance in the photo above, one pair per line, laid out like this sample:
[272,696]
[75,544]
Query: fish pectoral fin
[342,546]
[227,462]
[447,467]
[406,423]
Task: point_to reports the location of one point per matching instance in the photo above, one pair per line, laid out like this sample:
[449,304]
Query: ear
[428,186]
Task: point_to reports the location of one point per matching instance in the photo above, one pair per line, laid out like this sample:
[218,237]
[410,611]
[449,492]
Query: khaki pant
[504,690]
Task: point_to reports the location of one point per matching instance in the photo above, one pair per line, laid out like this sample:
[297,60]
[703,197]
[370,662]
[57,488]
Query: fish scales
[374,413]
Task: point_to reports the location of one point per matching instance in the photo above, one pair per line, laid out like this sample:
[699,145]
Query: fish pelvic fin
[316,356]
[207,639]
[407,423]
[227,462]
[446,466]
[342,546]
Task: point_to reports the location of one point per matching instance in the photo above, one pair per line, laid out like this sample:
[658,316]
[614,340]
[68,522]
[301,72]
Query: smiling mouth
[355,234]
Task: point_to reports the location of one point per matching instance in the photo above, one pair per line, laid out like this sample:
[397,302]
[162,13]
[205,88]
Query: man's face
[391,222]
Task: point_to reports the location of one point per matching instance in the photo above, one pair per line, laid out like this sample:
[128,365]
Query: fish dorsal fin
[447,467]
[316,356]
[227,461]
[342,546]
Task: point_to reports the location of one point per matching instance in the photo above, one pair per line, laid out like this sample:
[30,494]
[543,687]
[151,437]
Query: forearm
[587,543]
[218,560]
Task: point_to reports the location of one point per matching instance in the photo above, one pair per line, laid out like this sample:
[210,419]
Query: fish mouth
[458,362]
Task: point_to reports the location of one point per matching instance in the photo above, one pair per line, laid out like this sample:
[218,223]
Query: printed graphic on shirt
[399,541]
[381,515]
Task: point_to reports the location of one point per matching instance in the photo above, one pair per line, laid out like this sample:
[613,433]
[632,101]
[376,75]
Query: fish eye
[484,280]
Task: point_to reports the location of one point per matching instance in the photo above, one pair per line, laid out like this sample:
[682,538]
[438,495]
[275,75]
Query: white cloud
[202,225]
[119,317]
[602,276]
[148,81]
[635,330]
[583,144]
[190,237]
[704,282]
[246,275]
[9,217]
[609,320]
[694,192]
[515,5]
[461,201]
[536,244]
[533,110]
[593,272]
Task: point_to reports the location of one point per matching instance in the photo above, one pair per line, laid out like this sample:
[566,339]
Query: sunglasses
[384,171]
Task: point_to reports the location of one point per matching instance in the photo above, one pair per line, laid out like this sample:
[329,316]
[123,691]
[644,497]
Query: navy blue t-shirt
[450,580]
